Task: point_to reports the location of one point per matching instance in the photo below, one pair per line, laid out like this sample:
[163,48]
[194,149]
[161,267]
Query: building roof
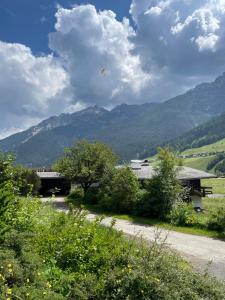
[49,175]
[146,171]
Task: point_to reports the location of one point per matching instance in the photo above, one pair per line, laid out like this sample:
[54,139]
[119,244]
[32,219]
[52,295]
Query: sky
[62,56]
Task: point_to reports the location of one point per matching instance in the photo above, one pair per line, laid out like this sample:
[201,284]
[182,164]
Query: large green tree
[164,188]
[87,163]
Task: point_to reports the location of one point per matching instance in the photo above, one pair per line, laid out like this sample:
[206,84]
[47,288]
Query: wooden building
[53,183]
[188,176]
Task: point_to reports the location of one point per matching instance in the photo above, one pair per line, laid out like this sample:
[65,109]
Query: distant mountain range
[131,130]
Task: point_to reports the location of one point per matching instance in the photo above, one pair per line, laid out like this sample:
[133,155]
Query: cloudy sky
[61,56]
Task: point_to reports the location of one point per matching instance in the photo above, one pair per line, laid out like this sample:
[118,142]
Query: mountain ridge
[132,131]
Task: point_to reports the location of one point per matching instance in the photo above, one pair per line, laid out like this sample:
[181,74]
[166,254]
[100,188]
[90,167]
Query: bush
[76,196]
[27,181]
[216,220]
[183,215]
[62,256]
[120,195]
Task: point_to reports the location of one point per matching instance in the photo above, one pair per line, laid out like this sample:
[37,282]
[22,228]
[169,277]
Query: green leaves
[86,163]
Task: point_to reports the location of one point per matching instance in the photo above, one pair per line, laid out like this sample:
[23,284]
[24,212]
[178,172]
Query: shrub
[76,196]
[124,187]
[66,257]
[120,195]
[183,215]
[216,220]
[27,181]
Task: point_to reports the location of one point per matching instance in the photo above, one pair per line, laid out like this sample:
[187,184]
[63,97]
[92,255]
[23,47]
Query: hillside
[131,130]
[204,146]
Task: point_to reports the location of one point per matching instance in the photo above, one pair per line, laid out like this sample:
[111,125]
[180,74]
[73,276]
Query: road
[201,252]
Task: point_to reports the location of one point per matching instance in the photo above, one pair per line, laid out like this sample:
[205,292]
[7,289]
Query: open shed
[53,182]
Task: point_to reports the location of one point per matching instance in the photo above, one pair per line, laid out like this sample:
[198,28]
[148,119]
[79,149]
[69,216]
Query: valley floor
[202,252]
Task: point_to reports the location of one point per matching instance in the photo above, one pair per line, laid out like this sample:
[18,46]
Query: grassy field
[215,147]
[218,185]
[211,203]
[199,163]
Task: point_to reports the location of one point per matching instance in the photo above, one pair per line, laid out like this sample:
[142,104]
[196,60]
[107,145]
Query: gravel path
[201,252]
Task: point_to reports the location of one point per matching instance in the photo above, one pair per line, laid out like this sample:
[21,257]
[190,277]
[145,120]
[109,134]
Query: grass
[218,185]
[155,222]
[215,147]
[199,163]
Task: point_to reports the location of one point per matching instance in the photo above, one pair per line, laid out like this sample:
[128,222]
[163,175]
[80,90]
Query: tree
[86,163]
[124,189]
[27,181]
[6,168]
[164,188]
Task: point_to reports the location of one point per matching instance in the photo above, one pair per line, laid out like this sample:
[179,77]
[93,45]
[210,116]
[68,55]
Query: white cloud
[208,42]
[174,45]
[95,49]
[30,87]
[181,40]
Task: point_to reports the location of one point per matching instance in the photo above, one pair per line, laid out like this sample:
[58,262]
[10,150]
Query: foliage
[216,220]
[27,181]
[62,256]
[6,168]
[218,158]
[122,191]
[164,188]
[86,164]
[7,199]
[183,215]
[76,196]
[220,168]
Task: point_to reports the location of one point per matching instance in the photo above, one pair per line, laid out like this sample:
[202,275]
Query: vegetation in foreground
[46,254]
[52,255]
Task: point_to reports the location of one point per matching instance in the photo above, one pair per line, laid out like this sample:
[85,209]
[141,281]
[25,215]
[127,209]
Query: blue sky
[29,21]
[60,57]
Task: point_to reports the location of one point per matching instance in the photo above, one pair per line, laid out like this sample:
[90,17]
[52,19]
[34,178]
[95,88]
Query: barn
[53,183]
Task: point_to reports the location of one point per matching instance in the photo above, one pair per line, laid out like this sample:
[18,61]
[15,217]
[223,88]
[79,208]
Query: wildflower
[44,293]
[48,285]
[39,274]
[8,298]
[28,280]
[10,270]
[9,292]
[9,265]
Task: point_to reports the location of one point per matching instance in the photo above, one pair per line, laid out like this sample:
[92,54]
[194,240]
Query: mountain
[204,135]
[204,147]
[131,130]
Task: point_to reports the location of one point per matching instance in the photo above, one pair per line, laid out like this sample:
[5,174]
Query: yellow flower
[44,293]
[27,294]
[10,270]
[28,280]
[48,285]
[9,265]
[8,298]
[9,291]
[39,274]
